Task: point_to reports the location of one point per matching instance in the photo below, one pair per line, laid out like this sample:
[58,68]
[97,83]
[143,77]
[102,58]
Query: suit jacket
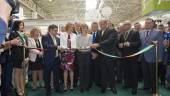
[50,51]
[17,52]
[154,35]
[33,52]
[134,40]
[107,41]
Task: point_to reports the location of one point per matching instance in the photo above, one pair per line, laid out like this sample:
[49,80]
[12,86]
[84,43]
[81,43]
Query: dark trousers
[95,72]
[130,68]
[50,67]
[107,71]
[119,70]
[84,68]
[149,75]
[76,71]
[6,77]
[162,72]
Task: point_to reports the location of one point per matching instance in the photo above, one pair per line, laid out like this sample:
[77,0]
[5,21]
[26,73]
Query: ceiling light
[91,4]
[50,0]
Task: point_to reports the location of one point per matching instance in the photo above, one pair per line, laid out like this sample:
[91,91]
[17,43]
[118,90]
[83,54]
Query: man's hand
[94,55]
[26,60]
[166,43]
[126,44]
[154,42]
[120,45]
[95,45]
[40,54]
[15,41]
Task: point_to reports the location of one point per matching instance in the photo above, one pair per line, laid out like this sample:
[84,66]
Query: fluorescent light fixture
[166,16]
[91,4]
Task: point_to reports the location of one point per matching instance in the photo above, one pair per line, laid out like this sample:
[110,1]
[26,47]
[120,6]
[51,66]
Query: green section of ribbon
[22,37]
[135,54]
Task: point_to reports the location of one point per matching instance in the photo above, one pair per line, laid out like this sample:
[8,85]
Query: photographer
[7,8]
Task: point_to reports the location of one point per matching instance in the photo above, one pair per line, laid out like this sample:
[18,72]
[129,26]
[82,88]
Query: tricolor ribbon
[109,55]
[135,54]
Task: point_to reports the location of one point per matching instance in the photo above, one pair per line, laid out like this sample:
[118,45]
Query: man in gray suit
[148,37]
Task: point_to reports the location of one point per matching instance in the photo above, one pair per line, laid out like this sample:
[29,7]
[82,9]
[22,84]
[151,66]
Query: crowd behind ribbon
[67,59]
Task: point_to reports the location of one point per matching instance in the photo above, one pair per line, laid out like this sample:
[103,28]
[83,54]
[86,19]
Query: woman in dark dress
[19,56]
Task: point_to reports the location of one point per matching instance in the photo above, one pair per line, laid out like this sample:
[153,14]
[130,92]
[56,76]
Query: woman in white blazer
[35,55]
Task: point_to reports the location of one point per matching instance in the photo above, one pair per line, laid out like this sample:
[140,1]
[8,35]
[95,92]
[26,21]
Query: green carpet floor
[96,92]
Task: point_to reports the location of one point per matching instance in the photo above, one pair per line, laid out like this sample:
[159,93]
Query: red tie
[69,42]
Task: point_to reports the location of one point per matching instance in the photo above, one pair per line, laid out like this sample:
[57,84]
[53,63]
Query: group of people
[79,53]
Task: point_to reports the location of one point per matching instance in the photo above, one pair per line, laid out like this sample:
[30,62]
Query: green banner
[149,6]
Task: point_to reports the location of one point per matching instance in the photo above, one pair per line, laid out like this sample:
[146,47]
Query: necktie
[147,34]
[69,42]
[38,44]
[94,37]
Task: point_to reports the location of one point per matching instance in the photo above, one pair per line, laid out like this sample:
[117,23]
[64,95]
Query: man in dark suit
[50,43]
[94,68]
[129,44]
[106,41]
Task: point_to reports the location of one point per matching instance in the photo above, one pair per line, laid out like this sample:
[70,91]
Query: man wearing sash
[129,44]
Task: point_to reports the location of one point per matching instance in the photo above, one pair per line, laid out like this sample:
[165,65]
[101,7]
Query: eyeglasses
[55,30]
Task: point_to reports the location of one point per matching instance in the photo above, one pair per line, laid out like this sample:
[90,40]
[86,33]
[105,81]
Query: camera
[15,6]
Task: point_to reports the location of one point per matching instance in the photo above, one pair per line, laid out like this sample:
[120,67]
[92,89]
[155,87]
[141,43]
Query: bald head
[127,25]
[120,27]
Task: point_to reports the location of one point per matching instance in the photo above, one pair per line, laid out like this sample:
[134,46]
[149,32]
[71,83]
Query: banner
[149,6]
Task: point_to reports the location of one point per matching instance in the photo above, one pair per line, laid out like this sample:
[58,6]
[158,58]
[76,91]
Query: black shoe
[114,90]
[125,87]
[87,89]
[134,91]
[103,90]
[145,89]
[81,90]
[48,94]
[59,91]
[98,85]
[153,91]
[90,86]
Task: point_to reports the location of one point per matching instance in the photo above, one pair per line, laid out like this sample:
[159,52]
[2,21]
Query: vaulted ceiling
[76,9]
